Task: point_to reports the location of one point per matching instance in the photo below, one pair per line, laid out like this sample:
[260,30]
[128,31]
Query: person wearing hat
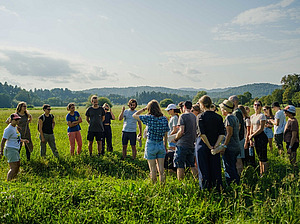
[231,145]
[291,133]
[279,124]
[173,111]
[258,122]
[11,140]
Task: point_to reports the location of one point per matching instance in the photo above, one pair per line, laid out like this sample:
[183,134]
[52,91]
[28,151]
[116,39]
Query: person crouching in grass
[12,140]
[156,144]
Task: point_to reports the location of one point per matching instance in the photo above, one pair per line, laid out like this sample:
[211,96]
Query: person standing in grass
[95,116]
[46,125]
[23,127]
[173,111]
[291,133]
[269,125]
[107,128]
[185,139]
[73,118]
[156,144]
[210,132]
[11,140]
[279,124]
[258,121]
[129,128]
[239,115]
[232,142]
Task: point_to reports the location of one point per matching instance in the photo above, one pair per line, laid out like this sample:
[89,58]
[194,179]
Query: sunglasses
[257,104]
[105,108]
[48,109]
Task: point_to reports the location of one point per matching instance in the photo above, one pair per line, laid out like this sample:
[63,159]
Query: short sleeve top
[156,127]
[13,137]
[73,118]
[130,123]
[256,120]
[291,125]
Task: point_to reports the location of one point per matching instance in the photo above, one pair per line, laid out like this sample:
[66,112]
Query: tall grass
[105,189]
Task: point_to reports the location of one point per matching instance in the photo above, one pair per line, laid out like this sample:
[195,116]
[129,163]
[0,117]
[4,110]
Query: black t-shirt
[47,123]
[238,113]
[108,117]
[211,125]
[95,115]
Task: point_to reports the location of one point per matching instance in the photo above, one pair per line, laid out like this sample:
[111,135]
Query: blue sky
[171,43]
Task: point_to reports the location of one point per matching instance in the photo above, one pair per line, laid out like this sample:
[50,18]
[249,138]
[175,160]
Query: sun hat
[14,116]
[171,106]
[290,108]
[227,105]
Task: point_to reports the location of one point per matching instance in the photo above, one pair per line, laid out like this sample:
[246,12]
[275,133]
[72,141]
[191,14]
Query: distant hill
[256,89]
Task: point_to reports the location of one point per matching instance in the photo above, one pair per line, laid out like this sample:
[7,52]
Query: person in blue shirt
[156,144]
[73,118]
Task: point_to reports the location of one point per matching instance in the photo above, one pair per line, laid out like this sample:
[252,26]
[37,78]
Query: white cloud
[5,10]
[289,32]
[135,76]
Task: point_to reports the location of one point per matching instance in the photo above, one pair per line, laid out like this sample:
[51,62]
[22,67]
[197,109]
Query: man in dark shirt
[238,113]
[185,139]
[95,116]
[46,125]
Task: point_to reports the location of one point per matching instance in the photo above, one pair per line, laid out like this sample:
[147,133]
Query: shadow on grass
[85,166]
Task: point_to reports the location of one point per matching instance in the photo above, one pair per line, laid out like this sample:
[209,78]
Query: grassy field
[105,189]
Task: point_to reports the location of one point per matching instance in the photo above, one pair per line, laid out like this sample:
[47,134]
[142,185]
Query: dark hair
[177,111]
[275,104]
[188,104]
[294,114]
[19,107]
[205,101]
[45,106]
[132,101]
[270,111]
[259,102]
[181,104]
[70,105]
[154,108]
[196,107]
[244,112]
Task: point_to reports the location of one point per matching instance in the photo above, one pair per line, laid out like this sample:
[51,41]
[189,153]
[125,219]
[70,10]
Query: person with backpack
[46,125]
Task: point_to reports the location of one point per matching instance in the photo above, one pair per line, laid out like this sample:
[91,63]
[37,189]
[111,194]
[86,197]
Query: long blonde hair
[154,108]
[19,108]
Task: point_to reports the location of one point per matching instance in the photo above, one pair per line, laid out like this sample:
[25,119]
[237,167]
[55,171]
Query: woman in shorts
[156,144]
[269,125]
[291,133]
[257,136]
[11,140]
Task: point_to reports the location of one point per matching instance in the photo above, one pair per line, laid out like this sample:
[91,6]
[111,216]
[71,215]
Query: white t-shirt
[172,123]
[281,117]
[256,119]
[13,137]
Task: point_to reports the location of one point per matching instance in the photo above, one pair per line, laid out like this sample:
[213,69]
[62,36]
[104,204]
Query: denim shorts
[154,150]
[269,132]
[172,144]
[12,154]
[184,157]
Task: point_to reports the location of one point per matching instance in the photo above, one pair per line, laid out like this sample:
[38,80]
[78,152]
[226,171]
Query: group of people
[194,136]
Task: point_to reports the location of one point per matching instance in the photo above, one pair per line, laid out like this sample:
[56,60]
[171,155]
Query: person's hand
[219,149]
[251,143]
[123,108]
[139,136]
[25,140]
[43,140]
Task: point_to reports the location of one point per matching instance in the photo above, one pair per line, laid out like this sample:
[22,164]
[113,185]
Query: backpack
[43,119]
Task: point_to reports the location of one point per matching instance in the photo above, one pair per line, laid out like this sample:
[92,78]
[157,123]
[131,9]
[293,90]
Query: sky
[87,44]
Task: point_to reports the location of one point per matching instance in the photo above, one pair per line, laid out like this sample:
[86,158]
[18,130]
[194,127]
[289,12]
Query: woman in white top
[258,121]
[12,139]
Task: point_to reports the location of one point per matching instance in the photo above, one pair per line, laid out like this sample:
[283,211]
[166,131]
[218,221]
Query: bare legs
[263,166]
[153,171]
[180,173]
[99,147]
[124,151]
[14,169]
[270,140]
[239,166]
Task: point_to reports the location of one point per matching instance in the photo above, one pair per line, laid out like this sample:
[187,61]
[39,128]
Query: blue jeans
[184,157]
[229,163]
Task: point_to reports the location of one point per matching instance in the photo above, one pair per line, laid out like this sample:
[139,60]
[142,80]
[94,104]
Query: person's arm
[276,121]
[229,133]
[103,118]
[205,140]
[137,114]
[112,115]
[180,133]
[8,120]
[247,136]
[29,118]
[121,116]
[53,123]
[41,130]
[293,139]
[260,130]
[174,131]
[166,140]
[2,146]
[219,140]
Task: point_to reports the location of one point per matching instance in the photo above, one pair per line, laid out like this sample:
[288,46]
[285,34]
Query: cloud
[289,32]
[266,14]
[5,10]
[135,76]
[48,69]
[103,17]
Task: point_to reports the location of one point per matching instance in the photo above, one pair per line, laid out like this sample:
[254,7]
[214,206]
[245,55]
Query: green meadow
[106,189]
